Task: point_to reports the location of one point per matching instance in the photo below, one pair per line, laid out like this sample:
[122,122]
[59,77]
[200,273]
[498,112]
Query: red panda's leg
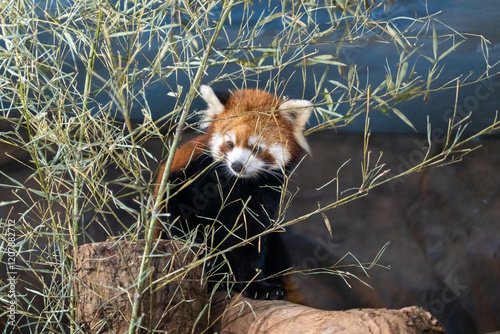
[292,292]
[243,261]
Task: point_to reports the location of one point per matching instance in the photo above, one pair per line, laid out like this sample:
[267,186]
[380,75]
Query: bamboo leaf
[434,42]
[327,224]
[339,84]
[394,34]
[401,74]
[5,203]
[322,59]
[404,118]
[452,48]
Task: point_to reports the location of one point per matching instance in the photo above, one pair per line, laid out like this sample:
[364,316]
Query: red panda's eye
[256,150]
[230,144]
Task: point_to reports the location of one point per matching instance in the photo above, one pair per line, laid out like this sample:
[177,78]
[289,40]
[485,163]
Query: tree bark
[242,315]
[105,277]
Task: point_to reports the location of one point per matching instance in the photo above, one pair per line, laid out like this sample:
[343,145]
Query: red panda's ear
[296,112]
[215,106]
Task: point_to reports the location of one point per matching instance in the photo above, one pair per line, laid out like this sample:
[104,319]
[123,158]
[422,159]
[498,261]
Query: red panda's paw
[265,291]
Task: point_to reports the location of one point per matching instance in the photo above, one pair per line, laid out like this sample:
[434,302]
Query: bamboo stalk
[78,185]
[164,186]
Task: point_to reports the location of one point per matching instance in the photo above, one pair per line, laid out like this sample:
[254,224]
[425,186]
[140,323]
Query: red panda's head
[252,131]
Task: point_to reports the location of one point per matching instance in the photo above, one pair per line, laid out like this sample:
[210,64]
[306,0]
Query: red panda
[227,184]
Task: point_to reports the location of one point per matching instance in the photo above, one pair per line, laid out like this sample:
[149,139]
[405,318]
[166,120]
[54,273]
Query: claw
[255,297]
[267,295]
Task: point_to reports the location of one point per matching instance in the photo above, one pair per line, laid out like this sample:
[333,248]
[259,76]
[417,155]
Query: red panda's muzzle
[243,163]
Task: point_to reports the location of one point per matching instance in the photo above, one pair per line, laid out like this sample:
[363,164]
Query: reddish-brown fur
[183,156]
[247,112]
[253,112]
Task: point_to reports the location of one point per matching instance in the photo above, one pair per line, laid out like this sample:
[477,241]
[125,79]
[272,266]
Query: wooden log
[242,315]
[105,274]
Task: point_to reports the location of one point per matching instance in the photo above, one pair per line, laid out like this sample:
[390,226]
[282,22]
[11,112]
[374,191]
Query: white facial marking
[215,143]
[255,141]
[230,136]
[251,164]
[280,155]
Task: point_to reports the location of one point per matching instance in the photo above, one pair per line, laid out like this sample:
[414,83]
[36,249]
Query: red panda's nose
[237,166]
